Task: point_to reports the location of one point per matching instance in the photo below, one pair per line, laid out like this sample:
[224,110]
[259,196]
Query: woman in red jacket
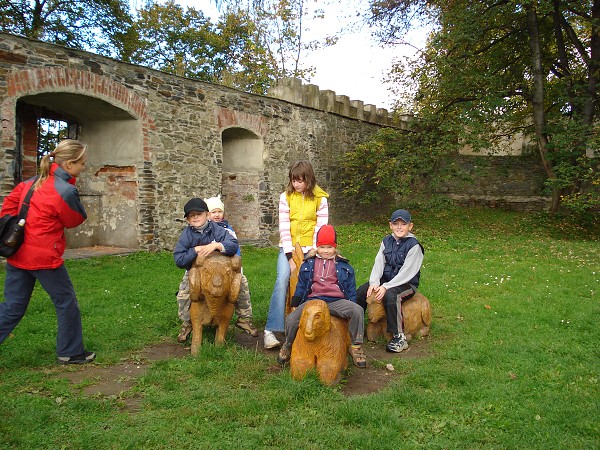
[54,206]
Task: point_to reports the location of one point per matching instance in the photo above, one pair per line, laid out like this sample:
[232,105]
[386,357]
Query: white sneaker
[270,340]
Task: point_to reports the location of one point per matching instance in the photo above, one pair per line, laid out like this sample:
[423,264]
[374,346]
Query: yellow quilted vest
[303,215]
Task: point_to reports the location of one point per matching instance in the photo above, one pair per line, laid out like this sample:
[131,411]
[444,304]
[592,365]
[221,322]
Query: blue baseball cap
[400,214]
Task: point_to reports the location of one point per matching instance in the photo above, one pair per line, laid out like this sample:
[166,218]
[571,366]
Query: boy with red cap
[395,275]
[327,276]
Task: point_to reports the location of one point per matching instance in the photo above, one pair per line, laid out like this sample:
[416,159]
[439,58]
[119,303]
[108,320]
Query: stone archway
[113,121]
[243,184]
[242,172]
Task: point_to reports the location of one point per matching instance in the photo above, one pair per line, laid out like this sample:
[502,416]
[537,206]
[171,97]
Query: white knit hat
[215,203]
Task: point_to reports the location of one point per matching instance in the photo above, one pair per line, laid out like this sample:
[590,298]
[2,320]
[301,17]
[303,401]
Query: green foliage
[477,77]
[399,165]
[186,43]
[95,25]
[280,28]
[248,48]
[511,360]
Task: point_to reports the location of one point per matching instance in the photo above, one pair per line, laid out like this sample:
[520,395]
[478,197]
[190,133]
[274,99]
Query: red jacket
[54,206]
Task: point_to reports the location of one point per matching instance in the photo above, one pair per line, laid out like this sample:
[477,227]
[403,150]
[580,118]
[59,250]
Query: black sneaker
[82,358]
[397,344]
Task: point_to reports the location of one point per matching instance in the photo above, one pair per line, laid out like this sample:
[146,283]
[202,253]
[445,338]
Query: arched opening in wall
[242,171]
[108,186]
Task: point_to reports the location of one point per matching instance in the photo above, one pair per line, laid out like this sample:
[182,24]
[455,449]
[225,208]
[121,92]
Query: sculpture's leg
[221,332]
[196,319]
[299,368]
[330,372]
[424,331]
[372,331]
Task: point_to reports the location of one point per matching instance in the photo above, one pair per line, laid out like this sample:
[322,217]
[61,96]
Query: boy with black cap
[327,276]
[200,237]
[395,275]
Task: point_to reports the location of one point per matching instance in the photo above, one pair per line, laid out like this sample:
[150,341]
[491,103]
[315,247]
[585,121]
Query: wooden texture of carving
[416,318]
[298,257]
[322,342]
[214,288]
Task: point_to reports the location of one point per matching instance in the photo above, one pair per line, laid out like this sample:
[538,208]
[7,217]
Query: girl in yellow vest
[303,209]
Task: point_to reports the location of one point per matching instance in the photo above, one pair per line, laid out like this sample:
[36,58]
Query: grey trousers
[344,309]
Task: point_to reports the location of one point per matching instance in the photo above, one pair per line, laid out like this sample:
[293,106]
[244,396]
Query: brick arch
[59,79]
[228,118]
[69,80]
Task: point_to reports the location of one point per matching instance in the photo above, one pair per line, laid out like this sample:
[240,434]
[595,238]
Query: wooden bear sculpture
[322,342]
[214,288]
[416,317]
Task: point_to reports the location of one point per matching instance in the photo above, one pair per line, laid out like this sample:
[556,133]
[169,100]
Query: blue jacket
[345,275]
[184,253]
[223,223]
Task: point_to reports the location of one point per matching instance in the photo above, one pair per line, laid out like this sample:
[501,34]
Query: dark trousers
[392,301]
[18,287]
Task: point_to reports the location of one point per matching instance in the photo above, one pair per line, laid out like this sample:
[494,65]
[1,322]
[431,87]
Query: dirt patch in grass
[115,381]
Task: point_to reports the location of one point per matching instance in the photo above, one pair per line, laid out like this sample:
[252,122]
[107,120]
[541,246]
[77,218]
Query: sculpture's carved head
[375,309]
[315,320]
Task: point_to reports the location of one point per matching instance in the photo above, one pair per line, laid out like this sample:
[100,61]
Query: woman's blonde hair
[66,150]
[302,171]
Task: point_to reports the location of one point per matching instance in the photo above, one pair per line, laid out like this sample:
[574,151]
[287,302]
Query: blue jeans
[18,287]
[276,316]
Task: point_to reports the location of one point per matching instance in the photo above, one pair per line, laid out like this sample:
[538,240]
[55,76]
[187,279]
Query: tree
[495,68]
[186,43]
[280,28]
[93,25]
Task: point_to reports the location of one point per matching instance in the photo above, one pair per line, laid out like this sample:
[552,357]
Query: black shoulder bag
[12,229]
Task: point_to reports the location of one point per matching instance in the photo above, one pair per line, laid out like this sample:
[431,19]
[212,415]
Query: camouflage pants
[243,307]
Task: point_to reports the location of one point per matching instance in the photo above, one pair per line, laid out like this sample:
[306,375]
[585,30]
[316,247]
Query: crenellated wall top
[310,96]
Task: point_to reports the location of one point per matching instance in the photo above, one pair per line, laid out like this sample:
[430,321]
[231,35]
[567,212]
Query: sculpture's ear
[326,316]
[234,289]
[199,261]
[195,283]
[370,299]
[236,263]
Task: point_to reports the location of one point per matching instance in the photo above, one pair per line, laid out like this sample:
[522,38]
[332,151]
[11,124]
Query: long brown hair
[66,150]
[302,171]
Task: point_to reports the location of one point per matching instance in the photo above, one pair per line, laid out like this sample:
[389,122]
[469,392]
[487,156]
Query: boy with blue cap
[395,275]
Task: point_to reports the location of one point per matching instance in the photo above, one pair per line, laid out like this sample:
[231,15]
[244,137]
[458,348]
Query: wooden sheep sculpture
[416,317]
[214,288]
[322,342]
[298,257]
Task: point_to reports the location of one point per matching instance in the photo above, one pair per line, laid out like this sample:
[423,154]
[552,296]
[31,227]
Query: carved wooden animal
[214,288]
[416,317]
[322,342]
[298,257]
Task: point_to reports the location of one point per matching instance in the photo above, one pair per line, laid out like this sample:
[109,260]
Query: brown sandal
[358,356]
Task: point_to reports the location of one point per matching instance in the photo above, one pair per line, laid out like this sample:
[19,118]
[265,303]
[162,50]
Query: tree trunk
[539,114]
[593,67]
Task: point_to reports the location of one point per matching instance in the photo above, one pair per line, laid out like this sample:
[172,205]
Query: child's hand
[205,250]
[292,264]
[379,293]
[378,290]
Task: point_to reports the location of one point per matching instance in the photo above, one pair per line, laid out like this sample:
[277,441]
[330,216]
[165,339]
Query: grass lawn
[513,360]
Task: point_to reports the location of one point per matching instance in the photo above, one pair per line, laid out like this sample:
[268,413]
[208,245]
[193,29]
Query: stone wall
[508,182]
[157,140]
